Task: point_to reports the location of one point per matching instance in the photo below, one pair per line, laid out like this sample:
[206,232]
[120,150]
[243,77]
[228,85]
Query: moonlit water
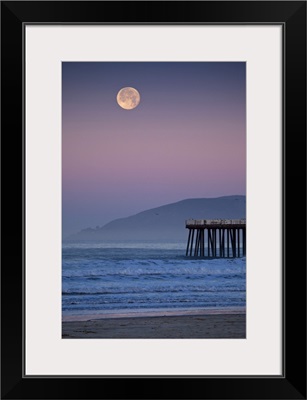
[129,277]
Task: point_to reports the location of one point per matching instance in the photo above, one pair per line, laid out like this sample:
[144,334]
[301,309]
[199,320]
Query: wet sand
[185,326]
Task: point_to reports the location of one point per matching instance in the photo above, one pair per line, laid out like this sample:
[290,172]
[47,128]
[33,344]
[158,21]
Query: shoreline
[204,324]
[155,313]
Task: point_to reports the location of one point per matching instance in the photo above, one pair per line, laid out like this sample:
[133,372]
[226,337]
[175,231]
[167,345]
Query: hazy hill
[166,222]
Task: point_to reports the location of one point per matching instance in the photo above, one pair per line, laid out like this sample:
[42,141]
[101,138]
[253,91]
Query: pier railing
[216,237]
[214,222]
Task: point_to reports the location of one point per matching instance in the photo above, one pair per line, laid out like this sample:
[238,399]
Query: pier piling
[216,238]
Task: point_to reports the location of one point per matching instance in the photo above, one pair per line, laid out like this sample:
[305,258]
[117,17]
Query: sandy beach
[198,325]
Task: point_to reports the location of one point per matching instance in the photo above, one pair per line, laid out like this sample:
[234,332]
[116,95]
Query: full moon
[128,98]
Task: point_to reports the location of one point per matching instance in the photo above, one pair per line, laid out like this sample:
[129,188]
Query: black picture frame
[292,384]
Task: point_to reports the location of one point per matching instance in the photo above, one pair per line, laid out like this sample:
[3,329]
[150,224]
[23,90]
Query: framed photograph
[138,277]
[156,201]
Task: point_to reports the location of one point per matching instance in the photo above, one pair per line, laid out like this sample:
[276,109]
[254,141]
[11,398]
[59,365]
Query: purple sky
[186,139]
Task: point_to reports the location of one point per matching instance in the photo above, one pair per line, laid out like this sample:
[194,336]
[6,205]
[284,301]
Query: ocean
[138,277]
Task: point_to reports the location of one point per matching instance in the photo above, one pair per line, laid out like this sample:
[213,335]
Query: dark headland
[167,222]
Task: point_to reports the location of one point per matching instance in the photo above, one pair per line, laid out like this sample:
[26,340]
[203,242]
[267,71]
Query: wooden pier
[216,238]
